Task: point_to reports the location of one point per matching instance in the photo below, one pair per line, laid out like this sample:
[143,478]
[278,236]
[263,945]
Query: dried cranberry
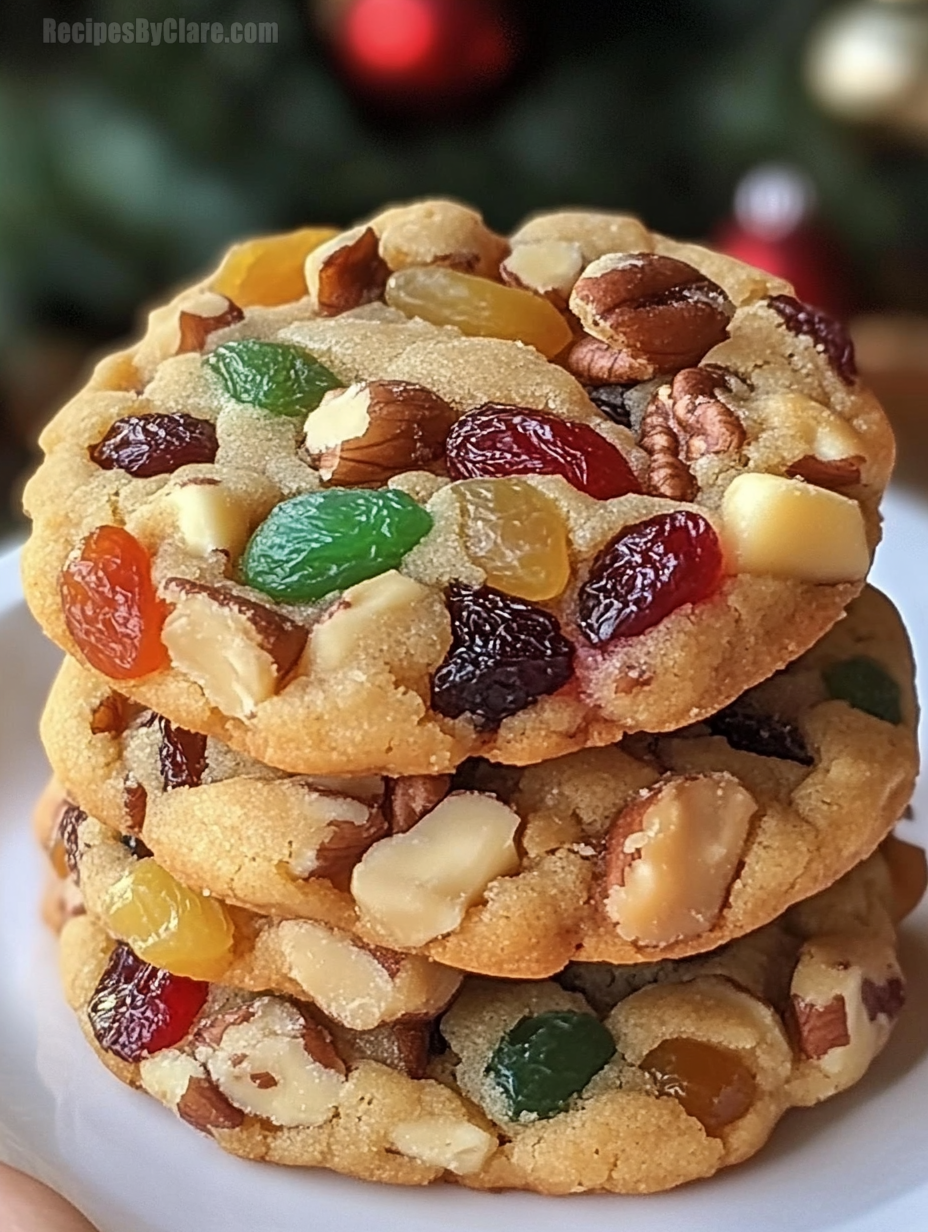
[137,1009]
[146,445]
[749,731]
[182,755]
[69,834]
[494,441]
[610,399]
[505,654]
[828,334]
[646,572]
[134,845]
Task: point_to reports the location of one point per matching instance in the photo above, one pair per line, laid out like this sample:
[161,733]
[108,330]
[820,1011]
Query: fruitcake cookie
[117,883]
[462,497]
[628,1081]
[659,847]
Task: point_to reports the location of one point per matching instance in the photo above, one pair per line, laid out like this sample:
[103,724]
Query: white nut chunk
[373,430]
[671,856]
[845,997]
[547,267]
[273,1063]
[209,516]
[358,987]
[339,636]
[334,831]
[416,886]
[789,528]
[444,1142]
[237,651]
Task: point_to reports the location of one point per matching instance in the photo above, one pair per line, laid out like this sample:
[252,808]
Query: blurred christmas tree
[126,168]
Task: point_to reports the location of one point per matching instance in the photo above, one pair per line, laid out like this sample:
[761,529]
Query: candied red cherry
[505,654]
[182,755]
[110,605]
[137,1009]
[146,445]
[646,572]
[494,441]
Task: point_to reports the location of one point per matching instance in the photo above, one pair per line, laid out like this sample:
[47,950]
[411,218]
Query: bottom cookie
[619,1079]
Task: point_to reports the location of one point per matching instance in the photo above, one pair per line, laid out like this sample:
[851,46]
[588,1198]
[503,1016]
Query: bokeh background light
[125,169]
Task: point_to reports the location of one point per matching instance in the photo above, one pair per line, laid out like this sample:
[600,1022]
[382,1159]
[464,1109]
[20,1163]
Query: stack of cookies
[477,750]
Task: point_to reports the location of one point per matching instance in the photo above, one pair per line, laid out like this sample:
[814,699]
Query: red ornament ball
[412,50]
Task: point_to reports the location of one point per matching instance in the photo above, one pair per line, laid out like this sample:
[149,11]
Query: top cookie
[418,493]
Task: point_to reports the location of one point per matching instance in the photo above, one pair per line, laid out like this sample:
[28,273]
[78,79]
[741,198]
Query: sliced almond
[277,1066]
[671,856]
[339,829]
[345,272]
[210,517]
[444,1142]
[342,633]
[547,267]
[236,650]
[416,886]
[374,430]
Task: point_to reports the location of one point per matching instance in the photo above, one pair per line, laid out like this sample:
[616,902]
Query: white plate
[858,1163]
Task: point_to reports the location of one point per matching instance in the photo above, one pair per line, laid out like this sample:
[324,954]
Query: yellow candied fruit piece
[516,535]
[478,306]
[169,925]
[269,270]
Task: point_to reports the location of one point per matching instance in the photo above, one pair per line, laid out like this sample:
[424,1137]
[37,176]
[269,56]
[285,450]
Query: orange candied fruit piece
[269,270]
[712,1083]
[110,605]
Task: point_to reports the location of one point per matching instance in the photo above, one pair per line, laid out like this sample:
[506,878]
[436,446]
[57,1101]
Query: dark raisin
[146,445]
[135,803]
[182,756]
[610,399]
[137,1009]
[646,572]
[828,334]
[505,654]
[134,845]
[69,833]
[749,731]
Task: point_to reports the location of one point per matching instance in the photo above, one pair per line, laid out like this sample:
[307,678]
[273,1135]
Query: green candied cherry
[866,685]
[324,541]
[278,377]
[546,1059]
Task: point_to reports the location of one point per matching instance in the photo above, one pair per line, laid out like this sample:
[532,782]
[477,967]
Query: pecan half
[659,313]
[686,420]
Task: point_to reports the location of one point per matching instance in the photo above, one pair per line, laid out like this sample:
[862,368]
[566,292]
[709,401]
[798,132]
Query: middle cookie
[659,847]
